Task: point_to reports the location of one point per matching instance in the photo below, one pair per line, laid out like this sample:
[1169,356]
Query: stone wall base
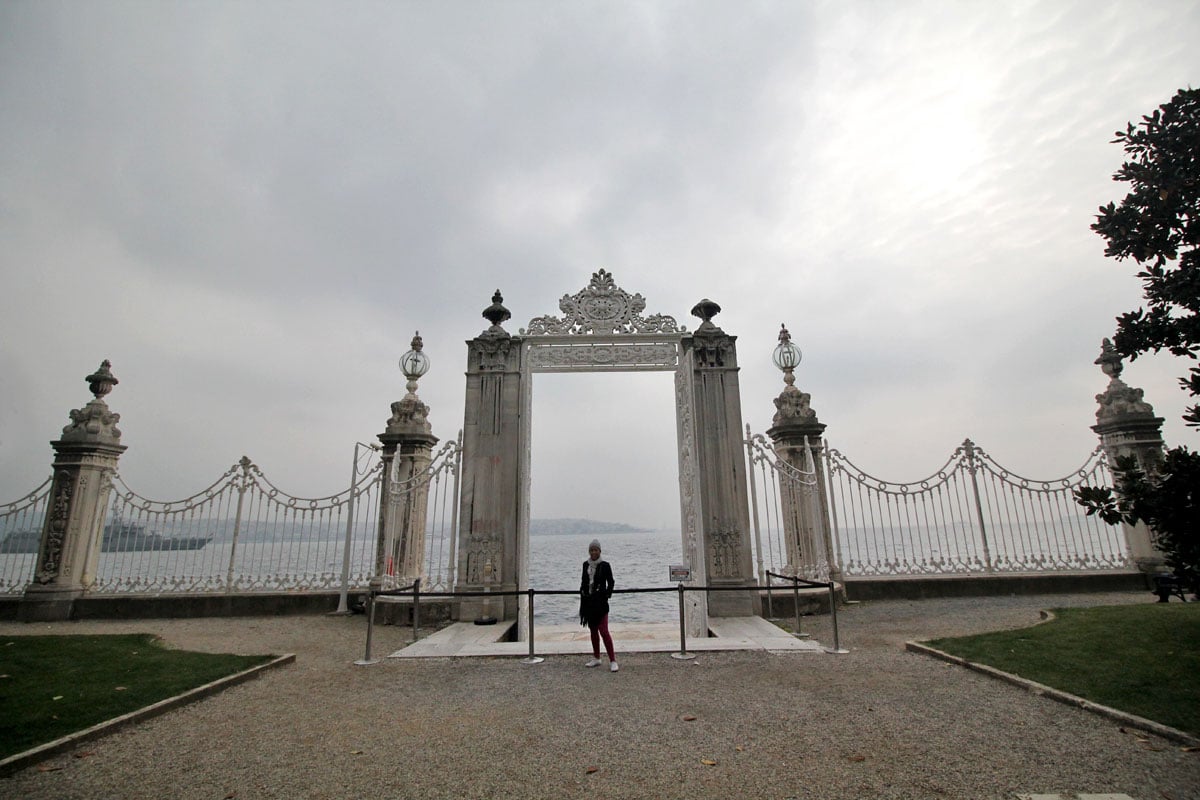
[907,588]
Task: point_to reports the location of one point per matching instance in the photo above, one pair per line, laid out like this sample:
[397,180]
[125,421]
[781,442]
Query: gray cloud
[250,209]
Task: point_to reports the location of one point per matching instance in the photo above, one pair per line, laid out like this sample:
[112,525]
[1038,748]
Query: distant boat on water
[125,537]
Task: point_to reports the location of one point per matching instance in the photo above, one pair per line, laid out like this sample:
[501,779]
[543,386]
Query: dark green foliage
[1168,502]
[1143,659]
[51,686]
[1158,225]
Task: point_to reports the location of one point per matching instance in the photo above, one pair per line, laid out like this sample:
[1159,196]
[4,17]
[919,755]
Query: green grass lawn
[1142,659]
[54,685]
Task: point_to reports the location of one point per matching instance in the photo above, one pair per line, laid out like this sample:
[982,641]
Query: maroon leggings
[601,632]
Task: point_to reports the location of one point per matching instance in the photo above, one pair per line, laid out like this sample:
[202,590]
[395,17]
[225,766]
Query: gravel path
[879,722]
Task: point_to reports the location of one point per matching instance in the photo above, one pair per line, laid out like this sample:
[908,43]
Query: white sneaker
[595,662]
[613,667]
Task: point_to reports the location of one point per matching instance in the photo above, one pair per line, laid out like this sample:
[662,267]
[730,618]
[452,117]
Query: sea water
[639,561]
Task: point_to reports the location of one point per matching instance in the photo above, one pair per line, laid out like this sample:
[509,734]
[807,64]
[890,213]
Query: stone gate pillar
[85,458]
[407,444]
[725,519]
[491,476]
[797,434]
[1127,426]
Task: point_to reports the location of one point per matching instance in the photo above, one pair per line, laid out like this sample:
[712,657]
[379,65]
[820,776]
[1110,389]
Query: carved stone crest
[601,308]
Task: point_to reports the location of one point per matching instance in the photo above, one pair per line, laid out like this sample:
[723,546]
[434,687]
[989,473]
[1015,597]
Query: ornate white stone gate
[603,330]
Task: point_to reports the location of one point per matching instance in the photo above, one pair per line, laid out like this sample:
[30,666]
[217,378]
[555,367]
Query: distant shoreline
[571,526]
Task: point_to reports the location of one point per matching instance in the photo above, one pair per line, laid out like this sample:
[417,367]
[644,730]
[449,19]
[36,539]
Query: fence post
[754,502]
[351,501]
[416,611]
[531,658]
[972,468]
[837,644]
[796,607]
[683,654]
[243,483]
[366,659]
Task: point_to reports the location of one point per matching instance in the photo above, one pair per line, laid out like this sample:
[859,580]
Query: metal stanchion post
[366,659]
[796,606]
[770,601]
[416,609]
[683,654]
[531,658]
[837,645]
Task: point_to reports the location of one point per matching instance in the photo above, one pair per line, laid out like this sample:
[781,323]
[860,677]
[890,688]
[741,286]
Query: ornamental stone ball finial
[786,356]
[102,380]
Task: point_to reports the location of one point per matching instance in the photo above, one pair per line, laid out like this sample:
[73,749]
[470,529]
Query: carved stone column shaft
[84,462]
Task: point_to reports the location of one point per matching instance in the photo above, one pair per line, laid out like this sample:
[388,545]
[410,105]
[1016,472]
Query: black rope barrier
[414,591]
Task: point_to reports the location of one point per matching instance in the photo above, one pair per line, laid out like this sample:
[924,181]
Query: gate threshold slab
[726,633]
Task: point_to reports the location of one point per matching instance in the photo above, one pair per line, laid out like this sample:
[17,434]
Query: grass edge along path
[1140,661]
[104,692]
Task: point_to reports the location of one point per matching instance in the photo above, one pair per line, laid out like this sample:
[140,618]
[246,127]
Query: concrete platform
[726,633]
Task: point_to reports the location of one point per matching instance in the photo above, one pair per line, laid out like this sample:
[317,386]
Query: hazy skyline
[250,208]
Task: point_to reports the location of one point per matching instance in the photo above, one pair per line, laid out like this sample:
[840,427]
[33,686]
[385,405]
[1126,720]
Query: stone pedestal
[85,459]
[724,502]
[808,537]
[491,476]
[1127,427]
[404,494]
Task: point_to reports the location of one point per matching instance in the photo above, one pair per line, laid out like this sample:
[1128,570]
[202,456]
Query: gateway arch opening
[603,466]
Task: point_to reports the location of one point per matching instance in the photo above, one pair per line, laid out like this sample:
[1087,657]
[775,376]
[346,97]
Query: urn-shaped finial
[102,380]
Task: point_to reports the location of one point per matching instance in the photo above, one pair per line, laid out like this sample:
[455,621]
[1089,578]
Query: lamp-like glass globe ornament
[414,363]
[786,356]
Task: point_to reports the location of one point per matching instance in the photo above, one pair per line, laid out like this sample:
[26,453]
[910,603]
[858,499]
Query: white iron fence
[786,513]
[971,516]
[243,534]
[20,534]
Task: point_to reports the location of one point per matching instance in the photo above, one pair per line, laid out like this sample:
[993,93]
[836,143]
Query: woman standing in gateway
[595,587]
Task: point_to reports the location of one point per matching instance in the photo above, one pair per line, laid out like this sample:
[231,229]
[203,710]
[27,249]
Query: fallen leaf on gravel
[85,754]
[1190,748]
[708,762]
[1140,739]
[230,796]
[688,718]
[739,748]
[48,768]
[590,770]
[356,752]
[857,758]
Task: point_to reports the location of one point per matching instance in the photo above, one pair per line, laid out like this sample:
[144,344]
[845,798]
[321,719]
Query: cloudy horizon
[251,208]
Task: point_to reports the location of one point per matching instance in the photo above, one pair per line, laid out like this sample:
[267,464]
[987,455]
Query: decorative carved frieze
[56,533]
[603,356]
[724,545]
[409,415]
[792,405]
[493,353]
[601,308]
[713,352]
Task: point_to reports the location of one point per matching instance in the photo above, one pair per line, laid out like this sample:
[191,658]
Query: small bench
[1166,585]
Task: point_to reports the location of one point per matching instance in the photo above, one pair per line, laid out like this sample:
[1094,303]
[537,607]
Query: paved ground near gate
[878,722]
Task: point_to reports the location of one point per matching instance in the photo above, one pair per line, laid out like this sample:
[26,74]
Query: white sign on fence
[679,573]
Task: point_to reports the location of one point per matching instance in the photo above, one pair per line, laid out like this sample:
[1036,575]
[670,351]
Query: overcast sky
[250,208]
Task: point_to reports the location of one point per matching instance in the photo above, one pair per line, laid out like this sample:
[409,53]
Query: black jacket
[593,595]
